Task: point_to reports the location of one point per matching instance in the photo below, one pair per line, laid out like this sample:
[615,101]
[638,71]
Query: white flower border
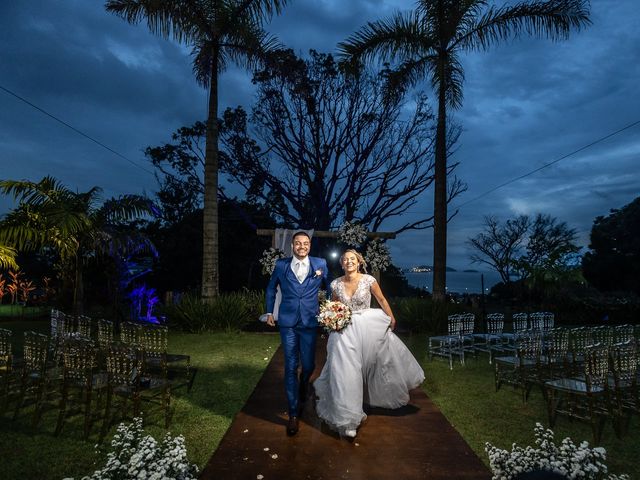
[136,455]
[574,462]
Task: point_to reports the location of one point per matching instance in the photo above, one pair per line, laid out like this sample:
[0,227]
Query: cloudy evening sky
[527,103]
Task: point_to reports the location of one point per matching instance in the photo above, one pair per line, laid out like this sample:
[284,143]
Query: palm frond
[23,237]
[260,10]
[400,38]
[249,45]
[66,247]
[115,243]
[23,227]
[122,209]
[8,257]
[454,81]
[407,75]
[181,20]
[470,11]
[86,200]
[35,193]
[31,228]
[65,220]
[203,59]
[552,19]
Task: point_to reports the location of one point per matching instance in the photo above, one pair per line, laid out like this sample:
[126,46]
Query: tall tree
[550,248]
[541,250]
[180,174]
[327,146]
[499,245]
[219,31]
[179,213]
[75,225]
[428,42]
[613,261]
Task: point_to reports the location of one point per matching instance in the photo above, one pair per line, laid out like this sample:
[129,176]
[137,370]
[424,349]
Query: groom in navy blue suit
[300,278]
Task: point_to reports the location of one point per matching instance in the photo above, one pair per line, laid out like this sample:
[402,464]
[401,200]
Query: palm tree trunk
[210,215]
[440,200]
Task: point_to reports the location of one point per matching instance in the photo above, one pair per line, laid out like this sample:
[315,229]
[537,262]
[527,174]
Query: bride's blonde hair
[362,265]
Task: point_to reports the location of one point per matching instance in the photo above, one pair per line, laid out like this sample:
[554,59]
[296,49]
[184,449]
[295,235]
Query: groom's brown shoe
[292,426]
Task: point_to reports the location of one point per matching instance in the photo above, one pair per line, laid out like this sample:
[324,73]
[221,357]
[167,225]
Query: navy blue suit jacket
[299,300]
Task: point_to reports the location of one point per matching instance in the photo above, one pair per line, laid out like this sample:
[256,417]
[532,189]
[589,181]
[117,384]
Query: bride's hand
[392,324]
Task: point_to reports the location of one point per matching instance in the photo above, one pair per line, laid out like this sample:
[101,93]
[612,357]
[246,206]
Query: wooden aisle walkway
[415,442]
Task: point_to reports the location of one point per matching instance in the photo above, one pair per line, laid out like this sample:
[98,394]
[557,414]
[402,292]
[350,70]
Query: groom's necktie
[299,271]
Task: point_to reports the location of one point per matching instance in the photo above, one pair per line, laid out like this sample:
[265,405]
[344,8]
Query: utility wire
[41,110]
[547,165]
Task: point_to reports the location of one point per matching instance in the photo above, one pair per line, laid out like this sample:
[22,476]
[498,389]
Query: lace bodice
[360,299]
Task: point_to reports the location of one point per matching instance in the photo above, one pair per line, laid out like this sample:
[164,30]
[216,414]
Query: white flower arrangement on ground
[567,459]
[269,258]
[139,456]
[377,255]
[352,234]
[334,316]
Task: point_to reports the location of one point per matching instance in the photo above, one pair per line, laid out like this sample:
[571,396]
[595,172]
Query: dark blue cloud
[527,103]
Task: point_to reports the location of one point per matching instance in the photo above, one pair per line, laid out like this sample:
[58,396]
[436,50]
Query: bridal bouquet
[334,316]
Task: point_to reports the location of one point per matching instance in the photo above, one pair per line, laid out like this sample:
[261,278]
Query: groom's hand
[270,321]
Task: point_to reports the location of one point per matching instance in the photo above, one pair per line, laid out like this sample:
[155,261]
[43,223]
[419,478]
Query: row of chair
[580,375]
[152,338]
[464,336]
[75,373]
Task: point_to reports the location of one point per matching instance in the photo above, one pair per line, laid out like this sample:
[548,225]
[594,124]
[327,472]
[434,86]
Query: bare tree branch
[332,146]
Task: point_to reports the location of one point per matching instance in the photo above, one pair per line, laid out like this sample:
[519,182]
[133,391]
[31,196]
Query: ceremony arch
[279,237]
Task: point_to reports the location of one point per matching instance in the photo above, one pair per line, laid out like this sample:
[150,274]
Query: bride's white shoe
[350,433]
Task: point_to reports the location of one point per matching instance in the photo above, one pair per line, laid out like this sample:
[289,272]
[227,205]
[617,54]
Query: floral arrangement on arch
[567,459]
[269,258]
[377,255]
[136,455]
[352,234]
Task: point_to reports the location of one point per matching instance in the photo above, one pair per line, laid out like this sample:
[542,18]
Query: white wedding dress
[366,363]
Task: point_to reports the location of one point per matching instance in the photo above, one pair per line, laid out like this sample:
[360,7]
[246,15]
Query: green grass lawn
[467,397]
[230,366]
[19,311]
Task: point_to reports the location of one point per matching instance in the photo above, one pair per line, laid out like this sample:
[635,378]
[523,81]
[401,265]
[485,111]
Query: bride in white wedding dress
[366,361]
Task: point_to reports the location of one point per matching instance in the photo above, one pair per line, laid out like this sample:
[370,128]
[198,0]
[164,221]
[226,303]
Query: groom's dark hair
[298,233]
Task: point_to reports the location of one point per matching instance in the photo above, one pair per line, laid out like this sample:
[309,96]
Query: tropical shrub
[418,315]
[228,311]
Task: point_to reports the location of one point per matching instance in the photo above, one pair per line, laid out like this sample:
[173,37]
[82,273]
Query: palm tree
[427,43]
[219,31]
[74,225]
[8,257]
